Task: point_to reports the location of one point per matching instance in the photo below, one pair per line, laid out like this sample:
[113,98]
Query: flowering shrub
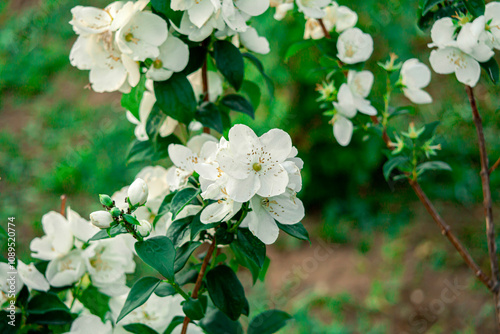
[228,192]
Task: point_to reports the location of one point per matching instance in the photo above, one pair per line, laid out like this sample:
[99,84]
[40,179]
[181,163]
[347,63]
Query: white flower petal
[342,130]
[32,277]
[243,190]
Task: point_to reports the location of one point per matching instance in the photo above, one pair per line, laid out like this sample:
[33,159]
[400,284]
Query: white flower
[58,238]
[236,13]
[492,33]
[215,88]
[96,49]
[66,270]
[285,208]
[101,219]
[253,42]
[199,12]
[145,107]
[156,313]
[144,229]
[108,261]
[354,46]
[81,228]
[32,277]
[254,163]
[461,55]
[187,158]
[340,17]
[282,7]
[351,98]
[313,8]
[138,192]
[173,57]
[142,35]
[158,187]
[415,76]
[89,323]
[198,34]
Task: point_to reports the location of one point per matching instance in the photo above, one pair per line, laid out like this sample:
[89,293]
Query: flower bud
[138,192]
[115,212]
[101,219]
[144,229]
[106,200]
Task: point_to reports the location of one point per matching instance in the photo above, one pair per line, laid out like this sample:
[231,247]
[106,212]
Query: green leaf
[139,294]
[256,62]
[427,5]
[3,233]
[95,301]
[165,206]
[402,111]
[226,291]
[183,254]
[216,322]
[130,219]
[491,67]
[475,7]
[268,322]
[175,97]
[429,131]
[209,115]
[182,198]
[154,122]
[166,289]
[5,327]
[197,226]
[113,231]
[252,92]
[51,318]
[263,271]
[139,329]
[159,253]
[296,230]
[297,47]
[433,165]
[132,100]
[141,151]
[163,7]
[194,309]
[44,302]
[178,231]
[197,56]
[251,246]
[393,163]
[176,321]
[428,19]
[229,62]
[246,262]
[238,103]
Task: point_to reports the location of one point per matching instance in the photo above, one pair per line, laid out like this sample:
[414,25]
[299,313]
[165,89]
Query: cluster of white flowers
[263,171]
[111,42]
[226,17]
[335,17]
[462,44]
[106,261]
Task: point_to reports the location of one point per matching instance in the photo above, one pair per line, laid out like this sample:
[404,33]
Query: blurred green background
[387,264]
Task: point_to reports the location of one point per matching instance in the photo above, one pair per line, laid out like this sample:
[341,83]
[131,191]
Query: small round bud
[101,219]
[106,200]
[144,229]
[138,192]
[115,212]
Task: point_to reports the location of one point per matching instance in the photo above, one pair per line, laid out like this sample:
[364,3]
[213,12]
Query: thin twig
[495,166]
[487,203]
[199,280]
[63,205]
[446,231]
[323,27]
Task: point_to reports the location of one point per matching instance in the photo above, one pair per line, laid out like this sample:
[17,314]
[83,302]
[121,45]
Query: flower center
[257,167]
[157,63]
[129,37]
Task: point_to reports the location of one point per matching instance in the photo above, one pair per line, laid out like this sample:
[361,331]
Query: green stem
[178,289]
[245,210]
[387,99]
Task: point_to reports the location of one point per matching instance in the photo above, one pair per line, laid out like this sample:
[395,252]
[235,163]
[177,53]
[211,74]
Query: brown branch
[446,231]
[485,180]
[495,166]
[323,27]
[199,280]
[63,205]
